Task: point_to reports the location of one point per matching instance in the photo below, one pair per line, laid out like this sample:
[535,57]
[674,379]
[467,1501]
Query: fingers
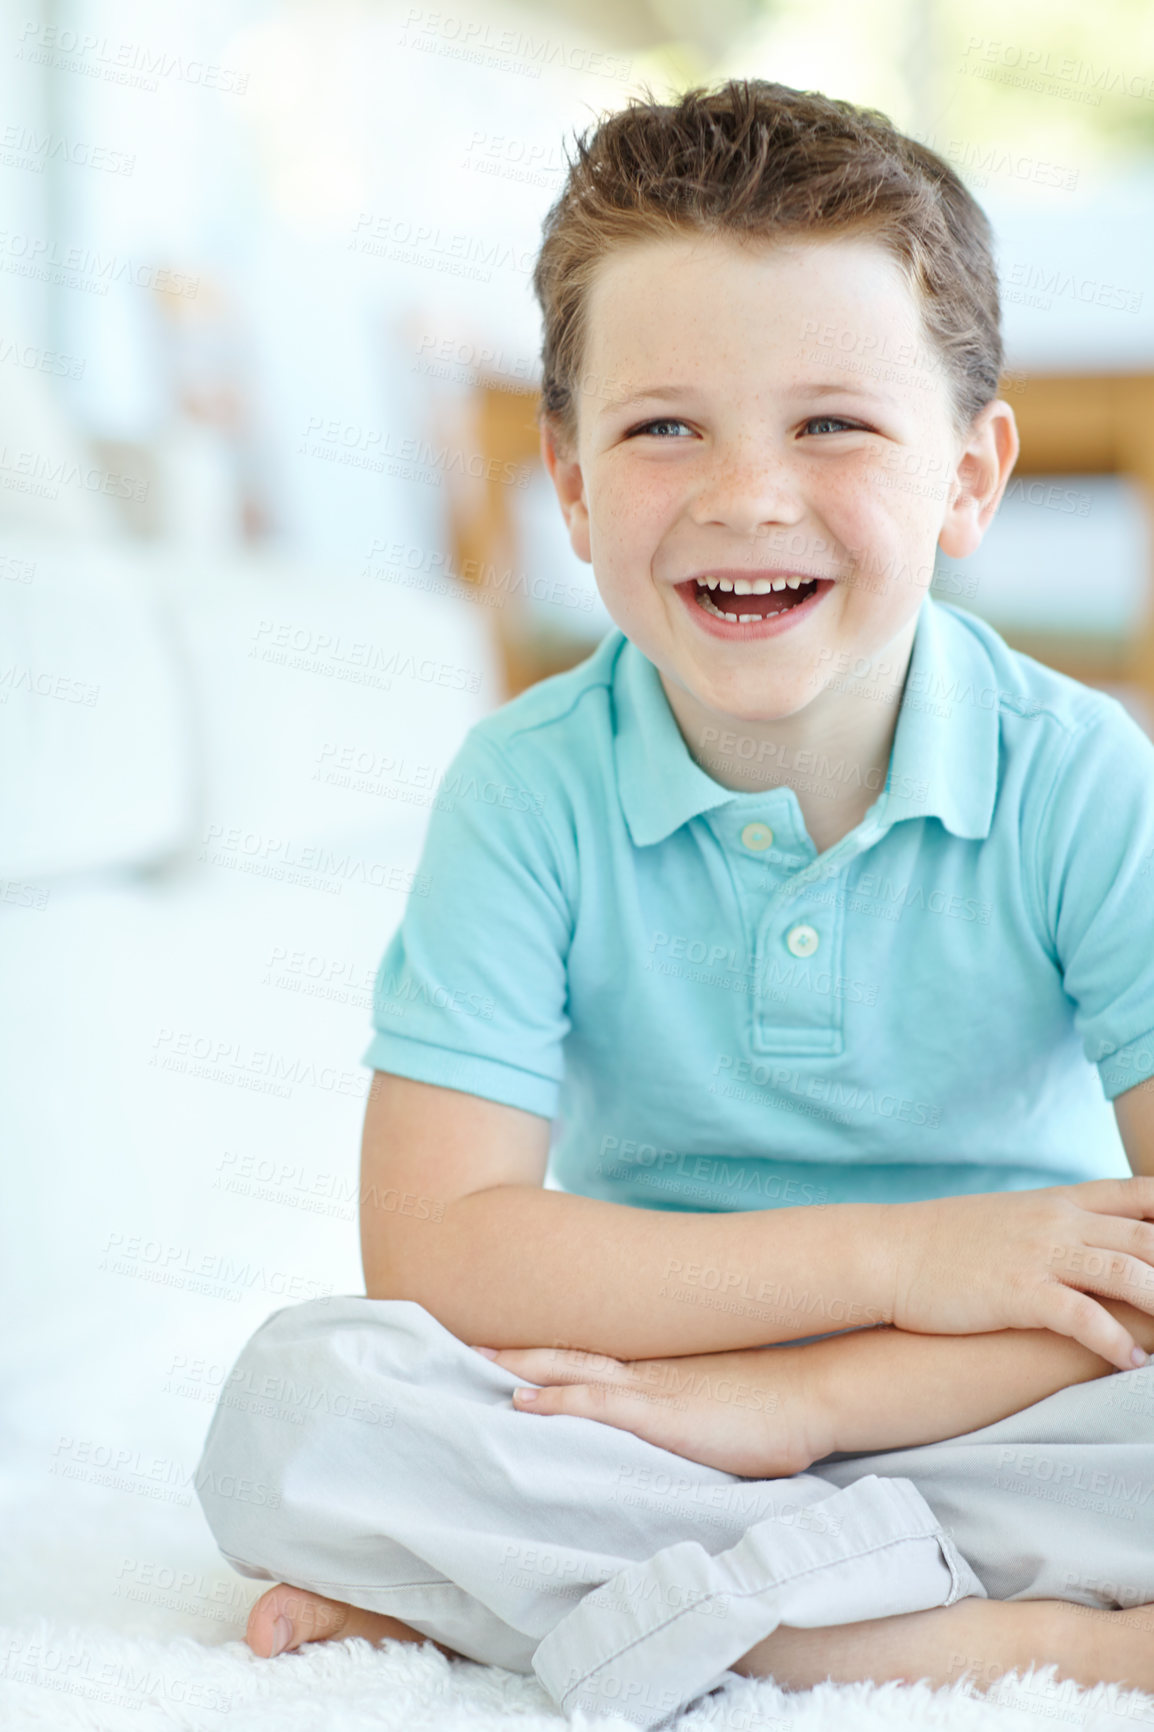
[657,1420]
[731,1443]
[586,1401]
[1116,1260]
[1115,1233]
[1140,1325]
[1068,1312]
[564,1365]
[1133,1197]
[587,1386]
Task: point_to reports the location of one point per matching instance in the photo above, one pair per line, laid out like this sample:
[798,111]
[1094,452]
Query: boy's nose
[746,492]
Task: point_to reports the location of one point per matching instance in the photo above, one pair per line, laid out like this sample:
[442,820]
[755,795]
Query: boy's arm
[454,1216]
[890,1389]
[770,1414]
[1134,1112]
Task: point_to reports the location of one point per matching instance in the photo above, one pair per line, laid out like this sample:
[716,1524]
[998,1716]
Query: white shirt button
[757,837]
[801,941]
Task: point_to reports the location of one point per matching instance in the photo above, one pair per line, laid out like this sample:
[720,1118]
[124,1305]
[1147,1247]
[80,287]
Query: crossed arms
[972,1307]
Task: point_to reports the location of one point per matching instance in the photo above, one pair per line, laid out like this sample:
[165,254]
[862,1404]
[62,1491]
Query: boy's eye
[648,426]
[832,421]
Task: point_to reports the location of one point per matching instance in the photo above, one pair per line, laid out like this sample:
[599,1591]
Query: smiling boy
[755,490]
[770,1110]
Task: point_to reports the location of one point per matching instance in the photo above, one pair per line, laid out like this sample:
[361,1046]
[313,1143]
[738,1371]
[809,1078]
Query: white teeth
[708,606]
[754,585]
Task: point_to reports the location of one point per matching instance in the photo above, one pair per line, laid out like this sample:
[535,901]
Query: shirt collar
[944,761]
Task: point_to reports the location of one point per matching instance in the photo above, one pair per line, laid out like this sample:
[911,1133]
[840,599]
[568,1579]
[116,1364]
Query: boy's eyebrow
[654,393]
[668,393]
[849,386]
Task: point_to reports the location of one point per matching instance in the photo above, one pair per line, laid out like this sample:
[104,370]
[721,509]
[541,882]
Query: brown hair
[760,160]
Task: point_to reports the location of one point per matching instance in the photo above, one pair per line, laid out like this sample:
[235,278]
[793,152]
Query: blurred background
[274,535]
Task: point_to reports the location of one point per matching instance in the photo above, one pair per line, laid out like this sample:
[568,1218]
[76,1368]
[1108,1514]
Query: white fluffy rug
[68,1678]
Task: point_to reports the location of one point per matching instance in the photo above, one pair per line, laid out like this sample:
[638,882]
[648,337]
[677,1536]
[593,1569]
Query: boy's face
[741,461]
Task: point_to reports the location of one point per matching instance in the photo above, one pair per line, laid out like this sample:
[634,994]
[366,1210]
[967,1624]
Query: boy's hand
[1027,1260]
[759,1414]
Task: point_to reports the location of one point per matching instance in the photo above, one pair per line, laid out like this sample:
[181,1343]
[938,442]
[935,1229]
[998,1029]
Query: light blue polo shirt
[717,1017]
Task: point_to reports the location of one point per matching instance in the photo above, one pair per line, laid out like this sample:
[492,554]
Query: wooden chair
[1090,424]
[501,427]
[1087,424]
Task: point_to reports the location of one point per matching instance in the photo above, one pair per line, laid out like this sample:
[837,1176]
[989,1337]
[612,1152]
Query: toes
[286,1617]
[262,1633]
[313,1618]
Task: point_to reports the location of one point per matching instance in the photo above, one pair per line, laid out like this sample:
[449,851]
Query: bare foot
[287,1617]
[982,1639]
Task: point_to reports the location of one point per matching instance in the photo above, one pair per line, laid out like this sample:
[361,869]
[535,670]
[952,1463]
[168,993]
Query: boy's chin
[735,717]
[774,698]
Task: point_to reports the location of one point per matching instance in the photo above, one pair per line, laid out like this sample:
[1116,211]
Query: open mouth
[761,606]
[749,609]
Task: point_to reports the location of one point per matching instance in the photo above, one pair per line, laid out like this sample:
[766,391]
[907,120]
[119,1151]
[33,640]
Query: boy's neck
[834,754]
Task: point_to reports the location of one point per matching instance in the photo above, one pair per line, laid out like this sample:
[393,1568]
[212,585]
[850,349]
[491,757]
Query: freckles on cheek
[631,518]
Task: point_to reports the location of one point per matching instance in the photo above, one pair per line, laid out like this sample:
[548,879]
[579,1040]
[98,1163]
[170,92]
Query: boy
[663,916]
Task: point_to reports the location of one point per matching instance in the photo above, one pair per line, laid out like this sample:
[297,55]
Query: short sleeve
[1095,880]
[472,990]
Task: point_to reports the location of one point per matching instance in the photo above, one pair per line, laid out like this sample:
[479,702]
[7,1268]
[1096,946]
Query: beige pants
[360,1450]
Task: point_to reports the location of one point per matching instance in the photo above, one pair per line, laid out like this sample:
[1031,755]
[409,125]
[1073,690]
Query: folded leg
[361,1451]
[1054,1502]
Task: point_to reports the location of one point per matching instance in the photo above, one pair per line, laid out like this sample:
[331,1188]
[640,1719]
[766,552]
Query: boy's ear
[984,466]
[565,474]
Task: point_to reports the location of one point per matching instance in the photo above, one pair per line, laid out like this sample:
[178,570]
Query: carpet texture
[57,1677]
